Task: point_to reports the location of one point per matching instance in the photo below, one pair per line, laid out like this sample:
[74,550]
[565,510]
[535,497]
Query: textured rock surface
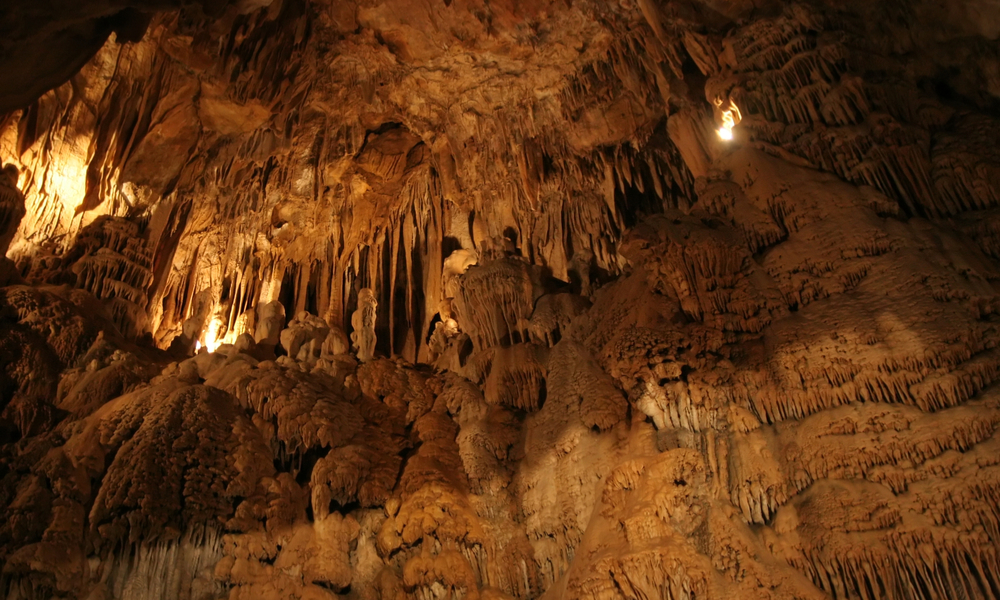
[385,299]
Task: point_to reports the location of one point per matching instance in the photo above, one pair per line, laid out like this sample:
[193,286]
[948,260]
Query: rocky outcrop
[11,207]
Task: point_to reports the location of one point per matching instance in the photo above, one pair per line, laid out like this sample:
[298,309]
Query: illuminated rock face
[391,300]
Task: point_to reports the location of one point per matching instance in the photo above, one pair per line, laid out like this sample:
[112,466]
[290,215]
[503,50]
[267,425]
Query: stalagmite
[363,323]
[304,337]
[270,323]
[336,343]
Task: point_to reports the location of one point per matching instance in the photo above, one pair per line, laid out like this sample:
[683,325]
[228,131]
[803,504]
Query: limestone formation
[11,207]
[311,299]
[363,323]
[270,323]
[304,337]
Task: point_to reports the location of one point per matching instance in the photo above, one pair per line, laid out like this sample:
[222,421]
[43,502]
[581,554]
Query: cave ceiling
[500,299]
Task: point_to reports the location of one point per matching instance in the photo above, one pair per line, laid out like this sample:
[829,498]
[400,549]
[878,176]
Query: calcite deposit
[500,300]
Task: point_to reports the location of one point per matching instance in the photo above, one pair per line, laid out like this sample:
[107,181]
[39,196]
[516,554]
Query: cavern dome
[499,299]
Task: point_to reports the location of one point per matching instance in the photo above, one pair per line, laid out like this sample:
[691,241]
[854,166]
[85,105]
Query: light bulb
[210,340]
[212,335]
[730,117]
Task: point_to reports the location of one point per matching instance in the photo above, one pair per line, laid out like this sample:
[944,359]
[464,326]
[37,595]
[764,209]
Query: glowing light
[197,346]
[730,118]
[210,340]
[212,336]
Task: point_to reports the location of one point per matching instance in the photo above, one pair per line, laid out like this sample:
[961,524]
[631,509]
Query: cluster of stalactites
[110,259]
[808,93]
[495,301]
[707,269]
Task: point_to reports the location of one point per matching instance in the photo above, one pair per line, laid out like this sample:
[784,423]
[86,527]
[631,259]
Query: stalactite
[495,301]
[703,269]
[788,80]
[965,167]
[516,379]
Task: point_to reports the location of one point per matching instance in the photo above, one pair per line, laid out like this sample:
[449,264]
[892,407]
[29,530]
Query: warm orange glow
[730,118]
[212,337]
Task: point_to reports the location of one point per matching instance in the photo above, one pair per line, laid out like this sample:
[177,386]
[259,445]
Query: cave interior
[500,299]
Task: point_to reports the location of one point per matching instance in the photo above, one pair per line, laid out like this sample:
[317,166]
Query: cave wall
[473,300]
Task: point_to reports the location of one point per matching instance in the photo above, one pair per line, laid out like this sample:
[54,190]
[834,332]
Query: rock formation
[11,206]
[496,300]
[363,323]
